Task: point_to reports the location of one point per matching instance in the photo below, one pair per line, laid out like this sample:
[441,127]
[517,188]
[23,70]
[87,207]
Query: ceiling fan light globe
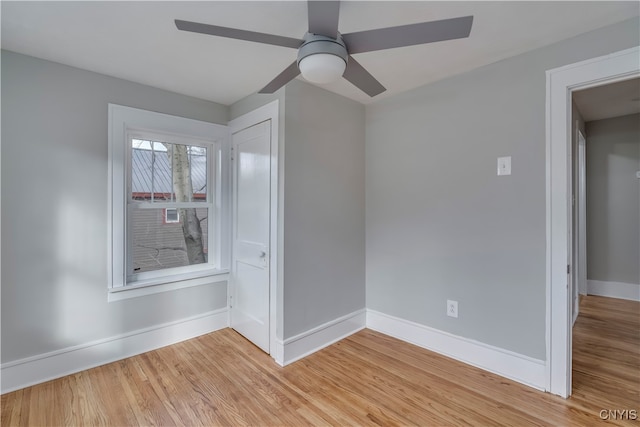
[322,68]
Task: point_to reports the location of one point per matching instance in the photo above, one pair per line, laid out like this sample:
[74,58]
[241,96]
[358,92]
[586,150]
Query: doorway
[603,345]
[609,116]
[561,82]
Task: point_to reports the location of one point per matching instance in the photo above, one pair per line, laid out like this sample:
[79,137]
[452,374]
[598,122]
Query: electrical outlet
[452,308]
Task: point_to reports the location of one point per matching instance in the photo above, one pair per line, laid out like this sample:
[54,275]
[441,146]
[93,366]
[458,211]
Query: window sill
[166,284]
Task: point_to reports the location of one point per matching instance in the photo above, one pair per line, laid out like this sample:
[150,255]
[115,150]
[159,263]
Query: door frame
[271,112]
[561,82]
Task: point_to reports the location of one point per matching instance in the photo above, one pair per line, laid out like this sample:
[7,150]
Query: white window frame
[126,123]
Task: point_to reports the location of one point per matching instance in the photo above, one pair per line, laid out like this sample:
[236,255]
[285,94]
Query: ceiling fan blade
[289,73]
[323,17]
[233,33]
[361,78]
[408,35]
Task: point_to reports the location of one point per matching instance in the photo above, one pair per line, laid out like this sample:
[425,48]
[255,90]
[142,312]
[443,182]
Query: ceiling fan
[324,54]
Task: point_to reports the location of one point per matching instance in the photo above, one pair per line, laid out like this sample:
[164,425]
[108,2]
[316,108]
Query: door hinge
[568,268]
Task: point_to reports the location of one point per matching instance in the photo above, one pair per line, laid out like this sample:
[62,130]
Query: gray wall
[54,208]
[440,223]
[324,207]
[613,199]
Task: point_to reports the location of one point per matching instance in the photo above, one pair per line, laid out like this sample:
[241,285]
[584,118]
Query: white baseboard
[44,367]
[306,343]
[508,364]
[630,291]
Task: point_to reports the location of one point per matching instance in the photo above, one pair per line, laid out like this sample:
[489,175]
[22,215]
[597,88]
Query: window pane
[162,172]
[157,244]
[142,167]
[198,162]
[162,185]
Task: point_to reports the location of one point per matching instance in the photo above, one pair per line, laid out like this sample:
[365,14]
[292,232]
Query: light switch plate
[504,166]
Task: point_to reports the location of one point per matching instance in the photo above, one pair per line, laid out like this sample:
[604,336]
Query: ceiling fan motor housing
[314,44]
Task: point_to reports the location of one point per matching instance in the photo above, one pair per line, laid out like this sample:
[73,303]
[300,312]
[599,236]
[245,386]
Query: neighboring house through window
[165,198]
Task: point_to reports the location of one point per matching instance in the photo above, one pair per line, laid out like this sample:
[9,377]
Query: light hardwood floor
[366,379]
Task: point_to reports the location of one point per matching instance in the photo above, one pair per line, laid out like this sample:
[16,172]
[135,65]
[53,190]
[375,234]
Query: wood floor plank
[438,375]
[367,379]
[443,395]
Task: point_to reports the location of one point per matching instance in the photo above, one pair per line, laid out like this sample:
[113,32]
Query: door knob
[263,254]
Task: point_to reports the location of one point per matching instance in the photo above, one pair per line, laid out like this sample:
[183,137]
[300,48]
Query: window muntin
[167,173]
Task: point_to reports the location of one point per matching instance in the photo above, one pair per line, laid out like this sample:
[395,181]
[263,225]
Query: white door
[582,214]
[579,273]
[250,263]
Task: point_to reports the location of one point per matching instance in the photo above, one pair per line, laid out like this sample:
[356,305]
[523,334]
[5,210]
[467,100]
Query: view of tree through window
[167,176]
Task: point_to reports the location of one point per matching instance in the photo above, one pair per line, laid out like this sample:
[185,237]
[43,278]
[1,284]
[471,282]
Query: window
[171,215]
[175,175]
[166,197]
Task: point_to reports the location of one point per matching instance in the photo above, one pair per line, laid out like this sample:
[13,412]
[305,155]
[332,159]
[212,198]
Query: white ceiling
[607,101]
[138,41]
